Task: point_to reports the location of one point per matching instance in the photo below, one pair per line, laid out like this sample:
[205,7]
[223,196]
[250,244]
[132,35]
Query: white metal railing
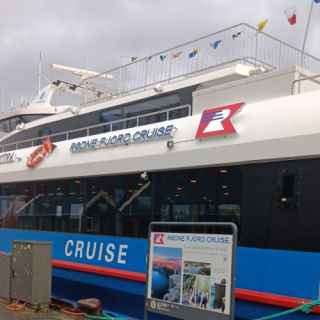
[314,79]
[240,43]
[105,127]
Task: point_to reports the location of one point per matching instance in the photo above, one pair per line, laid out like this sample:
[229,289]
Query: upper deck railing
[240,43]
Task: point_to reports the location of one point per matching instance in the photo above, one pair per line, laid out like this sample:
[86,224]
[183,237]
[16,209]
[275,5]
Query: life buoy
[40,153]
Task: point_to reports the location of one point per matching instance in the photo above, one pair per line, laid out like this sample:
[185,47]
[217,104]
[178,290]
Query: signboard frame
[187,229]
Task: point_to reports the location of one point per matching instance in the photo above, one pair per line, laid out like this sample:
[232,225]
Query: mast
[39,72]
[307,32]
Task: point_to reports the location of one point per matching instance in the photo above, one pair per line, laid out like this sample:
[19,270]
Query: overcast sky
[97,33]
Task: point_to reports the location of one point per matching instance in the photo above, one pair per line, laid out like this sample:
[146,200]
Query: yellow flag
[261,25]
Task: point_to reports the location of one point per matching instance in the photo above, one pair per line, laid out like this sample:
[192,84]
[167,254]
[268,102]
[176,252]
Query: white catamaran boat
[223,128]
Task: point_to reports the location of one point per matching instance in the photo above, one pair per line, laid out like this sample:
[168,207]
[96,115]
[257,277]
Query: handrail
[202,38]
[311,78]
[88,128]
[149,70]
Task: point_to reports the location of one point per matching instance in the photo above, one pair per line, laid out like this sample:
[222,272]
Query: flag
[162,57]
[216,44]
[261,25]
[291,15]
[133,59]
[193,53]
[176,54]
[148,58]
[236,35]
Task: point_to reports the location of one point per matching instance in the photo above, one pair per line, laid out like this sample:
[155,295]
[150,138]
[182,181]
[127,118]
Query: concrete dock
[28,314]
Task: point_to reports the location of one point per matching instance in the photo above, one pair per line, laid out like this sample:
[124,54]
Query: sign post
[191,270]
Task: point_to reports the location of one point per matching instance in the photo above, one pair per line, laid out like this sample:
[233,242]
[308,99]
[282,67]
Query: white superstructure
[280,118]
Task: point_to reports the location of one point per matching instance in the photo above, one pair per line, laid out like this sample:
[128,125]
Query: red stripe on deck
[241,294]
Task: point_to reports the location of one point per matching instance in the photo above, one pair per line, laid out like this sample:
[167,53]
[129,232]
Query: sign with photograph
[190,275]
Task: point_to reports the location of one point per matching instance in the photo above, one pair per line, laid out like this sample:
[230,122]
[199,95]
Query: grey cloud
[100,32]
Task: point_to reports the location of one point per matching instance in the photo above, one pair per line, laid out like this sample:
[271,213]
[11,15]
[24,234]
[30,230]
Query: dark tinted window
[252,196]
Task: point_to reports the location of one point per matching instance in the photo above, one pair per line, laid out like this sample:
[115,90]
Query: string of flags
[291,16]
[193,53]
[262,24]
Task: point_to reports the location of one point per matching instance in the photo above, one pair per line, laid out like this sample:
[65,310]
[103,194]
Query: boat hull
[113,269]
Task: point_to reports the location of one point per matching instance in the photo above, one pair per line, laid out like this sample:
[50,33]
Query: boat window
[5,126]
[43,132]
[153,105]
[199,195]
[32,117]
[9,125]
[124,205]
[111,115]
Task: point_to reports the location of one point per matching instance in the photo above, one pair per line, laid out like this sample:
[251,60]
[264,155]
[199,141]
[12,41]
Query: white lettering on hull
[91,250]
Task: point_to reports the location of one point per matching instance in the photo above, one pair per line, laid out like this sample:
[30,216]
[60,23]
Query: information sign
[191,270]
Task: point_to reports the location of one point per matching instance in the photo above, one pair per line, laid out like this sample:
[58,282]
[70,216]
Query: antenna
[39,72]
[83,73]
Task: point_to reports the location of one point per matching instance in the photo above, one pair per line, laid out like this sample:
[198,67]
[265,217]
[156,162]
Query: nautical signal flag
[236,35]
[262,24]
[163,57]
[291,15]
[193,53]
[216,44]
[176,54]
[133,59]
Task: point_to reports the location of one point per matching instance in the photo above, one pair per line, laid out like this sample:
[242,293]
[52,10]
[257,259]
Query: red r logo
[217,121]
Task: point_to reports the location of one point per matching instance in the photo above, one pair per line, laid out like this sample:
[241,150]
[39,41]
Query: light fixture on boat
[170,144]
[75,110]
[193,181]
[226,194]
[158,88]
[56,83]
[223,171]
[72,87]
[20,126]
[144,176]
[179,188]
[224,186]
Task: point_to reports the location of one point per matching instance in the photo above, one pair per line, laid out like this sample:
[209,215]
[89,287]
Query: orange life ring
[40,153]
[36,157]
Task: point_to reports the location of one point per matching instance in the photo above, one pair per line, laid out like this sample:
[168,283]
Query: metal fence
[241,43]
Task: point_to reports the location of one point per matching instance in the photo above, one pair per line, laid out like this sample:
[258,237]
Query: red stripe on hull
[272,299]
[108,272]
[241,294]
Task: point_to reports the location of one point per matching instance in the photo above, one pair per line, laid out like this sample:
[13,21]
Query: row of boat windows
[152,110]
[274,205]
[158,106]
[11,124]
